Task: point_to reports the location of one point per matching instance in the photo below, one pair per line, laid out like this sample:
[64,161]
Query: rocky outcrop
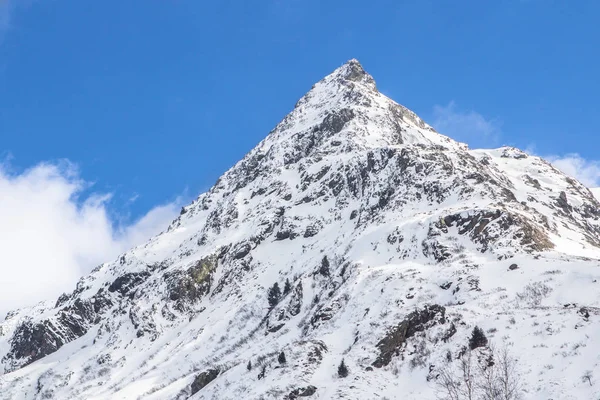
[417,321]
[202,380]
[33,341]
[186,287]
[127,282]
[302,392]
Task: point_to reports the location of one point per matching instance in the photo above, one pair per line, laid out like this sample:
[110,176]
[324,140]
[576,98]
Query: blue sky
[151,100]
[150,97]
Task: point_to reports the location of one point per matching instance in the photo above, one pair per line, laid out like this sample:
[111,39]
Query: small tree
[274,295]
[458,385]
[324,270]
[492,378]
[477,339]
[281,358]
[249,366]
[342,369]
[508,375]
[287,287]
[488,383]
[262,373]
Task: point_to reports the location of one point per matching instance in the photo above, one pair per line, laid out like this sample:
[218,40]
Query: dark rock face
[187,287]
[302,392]
[335,122]
[324,268]
[126,282]
[296,300]
[355,73]
[286,234]
[311,230]
[485,227]
[31,342]
[242,251]
[323,314]
[563,203]
[416,321]
[204,379]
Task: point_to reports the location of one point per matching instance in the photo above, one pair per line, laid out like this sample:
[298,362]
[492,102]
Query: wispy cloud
[50,235]
[585,171]
[478,131]
[466,126]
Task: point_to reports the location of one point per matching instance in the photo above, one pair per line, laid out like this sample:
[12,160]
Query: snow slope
[373,218]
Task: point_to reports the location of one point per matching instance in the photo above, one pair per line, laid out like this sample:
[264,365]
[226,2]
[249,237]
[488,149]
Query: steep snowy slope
[389,243]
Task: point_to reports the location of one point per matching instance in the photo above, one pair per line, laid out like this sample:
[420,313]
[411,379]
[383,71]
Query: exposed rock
[202,380]
[242,251]
[187,287]
[30,341]
[126,282]
[324,268]
[563,203]
[487,227]
[416,321]
[295,304]
[302,392]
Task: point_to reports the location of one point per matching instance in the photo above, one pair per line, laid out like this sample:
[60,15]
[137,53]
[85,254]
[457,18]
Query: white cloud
[51,234]
[585,171]
[466,126]
[473,128]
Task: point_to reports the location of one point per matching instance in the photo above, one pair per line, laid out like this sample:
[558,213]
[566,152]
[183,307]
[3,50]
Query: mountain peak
[353,231]
[353,71]
[346,108]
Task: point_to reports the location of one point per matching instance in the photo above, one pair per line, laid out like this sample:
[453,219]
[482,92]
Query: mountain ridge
[371,216]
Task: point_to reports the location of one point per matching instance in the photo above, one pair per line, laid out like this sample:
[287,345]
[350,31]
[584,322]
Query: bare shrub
[534,293]
[457,384]
[587,377]
[493,377]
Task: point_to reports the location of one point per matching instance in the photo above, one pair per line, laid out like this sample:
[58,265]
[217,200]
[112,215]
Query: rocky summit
[355,253]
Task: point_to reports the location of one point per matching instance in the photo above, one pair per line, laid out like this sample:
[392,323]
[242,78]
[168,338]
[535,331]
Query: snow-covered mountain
[389,243]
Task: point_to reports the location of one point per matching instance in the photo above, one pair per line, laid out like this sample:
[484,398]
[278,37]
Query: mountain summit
[353,71]
[351,254]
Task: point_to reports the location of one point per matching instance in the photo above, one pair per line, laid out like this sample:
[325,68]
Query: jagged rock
[187,287]
[416,321]
[302,392]
[127,282]
[242,251]
[487,227]
[295,304]
[202,380]
[563,203]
